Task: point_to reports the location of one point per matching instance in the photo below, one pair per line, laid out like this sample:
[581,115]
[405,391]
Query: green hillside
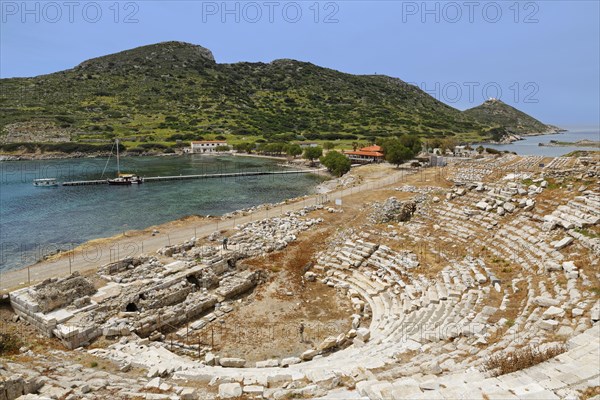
[160,93]
[507,119]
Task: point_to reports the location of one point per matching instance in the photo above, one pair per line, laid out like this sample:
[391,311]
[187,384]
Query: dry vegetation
[9,343]
[525,357]
[591,392]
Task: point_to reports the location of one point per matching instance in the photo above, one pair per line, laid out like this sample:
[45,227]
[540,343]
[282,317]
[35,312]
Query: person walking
[301,331]
[225,243]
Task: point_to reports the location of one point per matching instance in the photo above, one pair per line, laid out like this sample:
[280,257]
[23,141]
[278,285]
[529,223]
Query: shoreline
[68,156]
[518,137]
[579,143]
[92,254]
[204,219]
[287,162]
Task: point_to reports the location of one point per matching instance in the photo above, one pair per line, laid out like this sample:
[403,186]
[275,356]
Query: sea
[37,221]
[530,145]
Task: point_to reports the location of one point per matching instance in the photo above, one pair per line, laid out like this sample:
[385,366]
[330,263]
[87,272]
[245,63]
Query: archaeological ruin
[434,274]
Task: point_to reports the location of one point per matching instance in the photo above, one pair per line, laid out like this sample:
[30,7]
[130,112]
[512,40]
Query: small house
[207,146]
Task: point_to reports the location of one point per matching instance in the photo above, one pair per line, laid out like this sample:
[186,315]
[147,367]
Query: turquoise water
[37,221]
[530,147]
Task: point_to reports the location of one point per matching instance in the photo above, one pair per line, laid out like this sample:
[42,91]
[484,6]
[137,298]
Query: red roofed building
[366,154]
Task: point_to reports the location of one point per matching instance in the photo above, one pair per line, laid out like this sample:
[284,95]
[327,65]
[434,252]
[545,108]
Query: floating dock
[202,176]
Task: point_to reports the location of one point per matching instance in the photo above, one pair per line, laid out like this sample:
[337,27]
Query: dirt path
[94,254]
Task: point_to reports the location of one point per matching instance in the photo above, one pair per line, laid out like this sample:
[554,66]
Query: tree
[449,144]
[272,148]
[246,147]
[293,150]
[312,153]
[337,163]
[354,146]
[412,142]
[434,143]
[328,145]
[222,148]
[395,152]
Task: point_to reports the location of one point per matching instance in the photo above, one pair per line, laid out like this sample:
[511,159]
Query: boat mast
[118,167]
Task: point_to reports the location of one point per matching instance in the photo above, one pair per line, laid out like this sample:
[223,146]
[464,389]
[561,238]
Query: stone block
[232,362]
[230,390]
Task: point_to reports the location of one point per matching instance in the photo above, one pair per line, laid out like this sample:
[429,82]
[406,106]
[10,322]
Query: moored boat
[126,179]
[45,182]
[123,179]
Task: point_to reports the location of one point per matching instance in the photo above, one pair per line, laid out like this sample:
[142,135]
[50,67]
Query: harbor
[199,176]
[220,184]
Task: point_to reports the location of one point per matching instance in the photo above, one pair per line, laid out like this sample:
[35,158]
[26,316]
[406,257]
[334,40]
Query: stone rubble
[419,329]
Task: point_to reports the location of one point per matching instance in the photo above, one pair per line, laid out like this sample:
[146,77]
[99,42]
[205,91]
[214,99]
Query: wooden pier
[202,176]
[85,183]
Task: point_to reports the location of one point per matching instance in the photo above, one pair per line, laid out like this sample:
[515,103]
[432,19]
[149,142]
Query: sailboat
[123,179]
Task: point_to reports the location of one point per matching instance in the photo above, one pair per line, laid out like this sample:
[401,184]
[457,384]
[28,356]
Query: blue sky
[542,57]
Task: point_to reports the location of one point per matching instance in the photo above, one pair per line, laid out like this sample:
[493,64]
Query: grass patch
[587,233]
[552,185]
[527,182]
[525,357]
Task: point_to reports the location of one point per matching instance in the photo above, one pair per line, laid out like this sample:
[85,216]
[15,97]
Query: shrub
[293,150]
[337,163]
[396,152]
[9,343]
[67,147]
[525,357]
[136,150]
[247,147]
[328,145]
[312,153]
[184,136]
[153,146]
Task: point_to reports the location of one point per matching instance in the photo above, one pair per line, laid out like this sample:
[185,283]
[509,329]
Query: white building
[207,146]
[304,145]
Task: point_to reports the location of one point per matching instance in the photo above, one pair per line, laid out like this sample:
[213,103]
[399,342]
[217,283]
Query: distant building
[437,161]
[207,146]
[464,151]
[366,155]
[304,145]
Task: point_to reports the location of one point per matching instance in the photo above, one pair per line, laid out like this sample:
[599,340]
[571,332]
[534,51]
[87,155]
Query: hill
[507,121]
[161,93]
